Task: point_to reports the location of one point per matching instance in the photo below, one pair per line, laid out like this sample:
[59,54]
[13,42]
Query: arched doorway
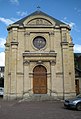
[39,80]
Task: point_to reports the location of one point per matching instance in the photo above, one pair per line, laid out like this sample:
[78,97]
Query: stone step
[39,97]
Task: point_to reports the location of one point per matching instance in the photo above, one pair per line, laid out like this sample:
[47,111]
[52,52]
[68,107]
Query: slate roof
[20,22]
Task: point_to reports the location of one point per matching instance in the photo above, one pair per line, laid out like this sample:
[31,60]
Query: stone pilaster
[51,41]
[53,76]
[72,71]
[15,34]
[65,67]
[6,79]
[26,43]
[64,34]
[26,77]
[14,46]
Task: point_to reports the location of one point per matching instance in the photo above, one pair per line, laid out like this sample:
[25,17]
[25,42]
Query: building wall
[21,58]
[1,76]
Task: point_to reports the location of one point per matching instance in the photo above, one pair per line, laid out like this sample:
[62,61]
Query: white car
[1,91]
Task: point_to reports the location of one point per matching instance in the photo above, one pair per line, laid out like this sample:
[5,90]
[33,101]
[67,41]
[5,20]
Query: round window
[39,42]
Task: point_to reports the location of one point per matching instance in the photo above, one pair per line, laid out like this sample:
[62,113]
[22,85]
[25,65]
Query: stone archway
[39,80]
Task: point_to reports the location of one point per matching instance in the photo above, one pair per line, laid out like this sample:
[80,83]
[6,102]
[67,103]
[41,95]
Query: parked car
[1,91]
[74,103]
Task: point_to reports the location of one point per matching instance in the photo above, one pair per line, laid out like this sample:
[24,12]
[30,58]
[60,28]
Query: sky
[67,11]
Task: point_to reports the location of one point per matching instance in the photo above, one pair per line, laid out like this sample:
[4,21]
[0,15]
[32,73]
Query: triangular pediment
[39,17]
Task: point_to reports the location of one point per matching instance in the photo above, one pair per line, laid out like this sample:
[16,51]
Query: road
[36,110]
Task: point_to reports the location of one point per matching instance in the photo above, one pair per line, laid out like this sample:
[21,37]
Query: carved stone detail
[53,62]
[27,33]
[64,37]
[39,62]
[26,62]
[39,21]
[51,33]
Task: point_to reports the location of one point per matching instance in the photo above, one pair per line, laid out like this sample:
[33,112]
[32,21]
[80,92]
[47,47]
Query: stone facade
[54,53]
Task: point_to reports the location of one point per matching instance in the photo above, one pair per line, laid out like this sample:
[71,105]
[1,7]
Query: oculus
[39,42]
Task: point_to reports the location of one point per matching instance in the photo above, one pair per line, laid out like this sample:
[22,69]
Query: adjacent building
[39,58]
[1,76]
[77,60]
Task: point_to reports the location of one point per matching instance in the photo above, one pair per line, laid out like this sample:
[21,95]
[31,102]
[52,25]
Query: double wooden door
[39,80]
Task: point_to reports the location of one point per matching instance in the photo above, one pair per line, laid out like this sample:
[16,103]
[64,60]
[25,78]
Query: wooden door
[77,86]
[40,80]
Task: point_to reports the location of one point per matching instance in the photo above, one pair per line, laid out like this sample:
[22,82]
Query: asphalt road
[36,110]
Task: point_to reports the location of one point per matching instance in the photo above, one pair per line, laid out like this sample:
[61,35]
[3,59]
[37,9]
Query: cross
[38,7]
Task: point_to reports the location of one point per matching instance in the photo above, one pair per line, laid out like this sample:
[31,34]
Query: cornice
[41,54]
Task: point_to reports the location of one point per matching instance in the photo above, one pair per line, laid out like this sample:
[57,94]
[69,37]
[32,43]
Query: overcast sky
[68,11]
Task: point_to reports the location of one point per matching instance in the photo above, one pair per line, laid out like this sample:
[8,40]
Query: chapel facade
[39,58]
